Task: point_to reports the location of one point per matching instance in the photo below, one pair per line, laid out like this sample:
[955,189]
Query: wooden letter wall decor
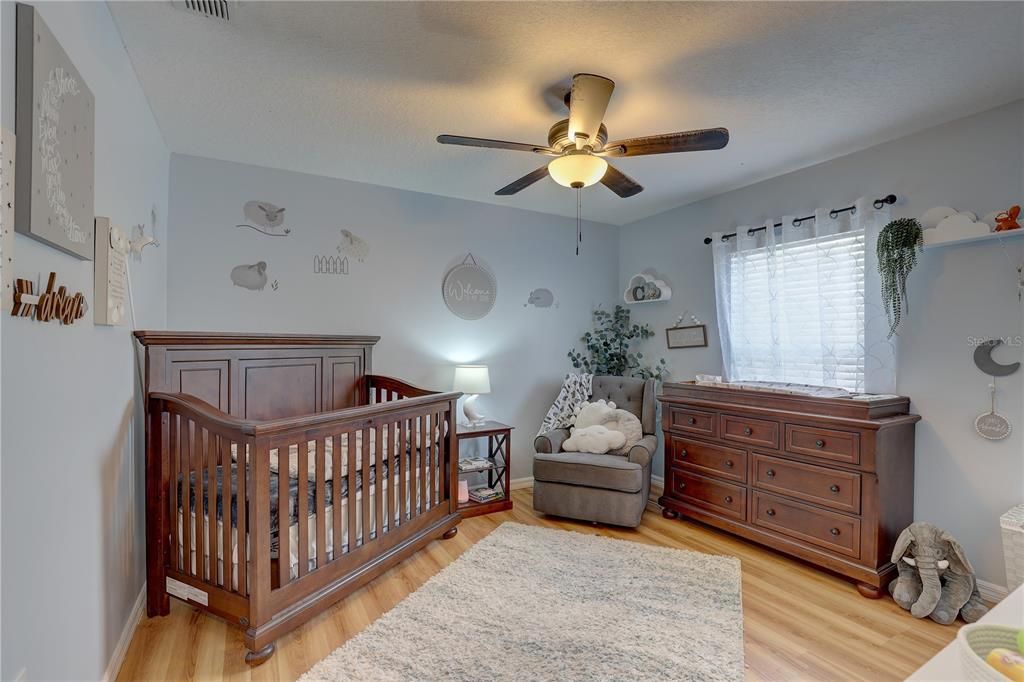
[60,304]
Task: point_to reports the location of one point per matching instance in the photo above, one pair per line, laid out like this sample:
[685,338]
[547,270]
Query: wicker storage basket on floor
[975,641]
[1012,524]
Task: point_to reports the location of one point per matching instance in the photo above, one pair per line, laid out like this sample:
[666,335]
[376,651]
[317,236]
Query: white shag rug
[529,603]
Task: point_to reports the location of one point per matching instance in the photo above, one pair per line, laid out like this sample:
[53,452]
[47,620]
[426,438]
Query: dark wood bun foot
[257,657]
[452,532]
[669,513]
[869,591]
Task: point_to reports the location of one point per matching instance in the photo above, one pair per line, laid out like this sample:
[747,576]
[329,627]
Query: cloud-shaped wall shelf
[944,225]
[646,288]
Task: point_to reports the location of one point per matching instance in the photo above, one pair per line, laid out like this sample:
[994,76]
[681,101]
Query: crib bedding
[411,501]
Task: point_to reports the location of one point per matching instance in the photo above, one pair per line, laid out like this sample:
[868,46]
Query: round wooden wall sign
[469,289]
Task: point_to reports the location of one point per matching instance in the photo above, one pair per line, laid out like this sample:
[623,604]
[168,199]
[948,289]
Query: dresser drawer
[830,530]
[839,446]
[820,485]
[694,421]
[724,498]
[705,458]
[750,431]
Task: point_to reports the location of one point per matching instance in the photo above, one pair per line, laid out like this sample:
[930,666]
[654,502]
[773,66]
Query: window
[796,312]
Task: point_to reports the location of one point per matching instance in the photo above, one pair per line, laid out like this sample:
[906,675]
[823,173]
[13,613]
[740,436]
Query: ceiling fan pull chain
[579,233]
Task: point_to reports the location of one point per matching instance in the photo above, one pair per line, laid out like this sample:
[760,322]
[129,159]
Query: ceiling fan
[579,144]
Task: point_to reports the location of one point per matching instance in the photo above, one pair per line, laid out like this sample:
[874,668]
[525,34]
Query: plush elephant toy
[935,578]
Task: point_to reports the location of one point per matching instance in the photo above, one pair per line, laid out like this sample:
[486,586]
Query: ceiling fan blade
[588,102]
[620,183]
[688,141]
[495,144]
[523,182]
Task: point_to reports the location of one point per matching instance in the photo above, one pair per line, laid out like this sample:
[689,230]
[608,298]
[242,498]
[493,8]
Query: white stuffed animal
[595,439]
[605,414]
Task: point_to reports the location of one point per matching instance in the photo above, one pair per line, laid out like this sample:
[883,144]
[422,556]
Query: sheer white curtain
[802,303]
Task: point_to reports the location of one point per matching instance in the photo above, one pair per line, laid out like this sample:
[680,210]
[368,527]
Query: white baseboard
[991,592]
[520,483]
[134,618]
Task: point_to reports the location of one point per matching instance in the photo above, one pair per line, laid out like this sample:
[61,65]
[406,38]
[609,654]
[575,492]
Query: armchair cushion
[550,441]
[610,472]
[632,395]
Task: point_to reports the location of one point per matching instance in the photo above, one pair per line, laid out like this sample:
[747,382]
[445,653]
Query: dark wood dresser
[827,480]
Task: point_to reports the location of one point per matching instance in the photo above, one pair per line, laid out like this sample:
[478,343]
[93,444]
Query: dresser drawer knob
[728,499]
[691,420]
[747,430]
[834,531]
[769,512]
[834,488]
[819,443]
[729,463]
[680,485]
[682,453]
[770,473]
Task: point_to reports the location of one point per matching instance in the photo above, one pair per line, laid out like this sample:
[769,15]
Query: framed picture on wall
[693,336]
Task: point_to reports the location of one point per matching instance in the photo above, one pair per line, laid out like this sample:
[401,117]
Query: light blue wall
[396,293]
[963,482]
[72,511]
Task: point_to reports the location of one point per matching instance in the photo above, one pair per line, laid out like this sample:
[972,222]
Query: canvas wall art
[56,111]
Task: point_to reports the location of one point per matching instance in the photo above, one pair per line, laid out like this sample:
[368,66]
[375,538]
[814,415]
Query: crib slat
[225,511]
[321,503]
[403,469]
[212,450]
[284,516]
[302,504]
[421,485]
[198,458]
[172,449]
[436,441]
[241,508]
[382,447]
[392,477]
[350,507]
[338,505]
[186,496]
[365,456]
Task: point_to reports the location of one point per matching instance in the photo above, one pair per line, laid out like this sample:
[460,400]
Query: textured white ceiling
[360,90]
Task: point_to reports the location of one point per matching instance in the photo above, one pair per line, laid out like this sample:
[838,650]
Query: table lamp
[472,380]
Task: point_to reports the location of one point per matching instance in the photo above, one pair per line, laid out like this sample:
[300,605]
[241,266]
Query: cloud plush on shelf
[945,223]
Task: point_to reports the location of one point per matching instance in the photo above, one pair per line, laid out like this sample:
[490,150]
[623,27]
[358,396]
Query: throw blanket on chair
[576,390]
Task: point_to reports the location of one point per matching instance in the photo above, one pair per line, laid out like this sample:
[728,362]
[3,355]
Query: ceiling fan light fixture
[577,170]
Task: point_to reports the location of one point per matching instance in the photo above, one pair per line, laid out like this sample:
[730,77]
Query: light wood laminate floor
[799,623]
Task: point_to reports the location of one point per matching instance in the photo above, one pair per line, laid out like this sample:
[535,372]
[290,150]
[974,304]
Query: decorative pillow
[605,413]
[630,426]
[595,439]
[598,412]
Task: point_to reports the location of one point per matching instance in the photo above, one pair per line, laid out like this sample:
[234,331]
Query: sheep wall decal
[265,218]
[353,246]
[252,277]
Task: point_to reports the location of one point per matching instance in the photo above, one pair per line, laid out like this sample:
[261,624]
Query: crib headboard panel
[260,376]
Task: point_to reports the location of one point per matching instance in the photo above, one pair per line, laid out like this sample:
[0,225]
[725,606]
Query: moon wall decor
[983,359]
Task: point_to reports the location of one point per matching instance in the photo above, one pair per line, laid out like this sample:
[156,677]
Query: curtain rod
[834,213]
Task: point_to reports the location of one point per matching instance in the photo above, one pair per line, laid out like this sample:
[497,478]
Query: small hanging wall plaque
[469,289]
[992,425]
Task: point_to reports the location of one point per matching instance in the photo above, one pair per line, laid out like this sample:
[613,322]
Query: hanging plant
[898,245]
[608,347]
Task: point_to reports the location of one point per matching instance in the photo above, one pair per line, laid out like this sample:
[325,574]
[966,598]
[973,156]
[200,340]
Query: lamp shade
[577,170]
[472,379]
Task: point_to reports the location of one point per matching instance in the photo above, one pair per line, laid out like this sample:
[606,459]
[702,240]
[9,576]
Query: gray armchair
[602,488]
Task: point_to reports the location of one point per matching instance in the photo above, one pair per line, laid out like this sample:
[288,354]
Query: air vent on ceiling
[213,9]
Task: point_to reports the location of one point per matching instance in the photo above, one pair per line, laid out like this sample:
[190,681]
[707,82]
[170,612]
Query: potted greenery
[607,347]
[898,245]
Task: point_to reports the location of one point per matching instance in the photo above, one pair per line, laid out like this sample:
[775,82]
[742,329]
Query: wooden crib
[240,430]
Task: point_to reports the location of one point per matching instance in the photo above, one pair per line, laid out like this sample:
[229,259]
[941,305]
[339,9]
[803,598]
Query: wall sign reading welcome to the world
[469,289]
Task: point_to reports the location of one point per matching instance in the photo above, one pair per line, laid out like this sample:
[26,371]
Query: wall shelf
[643,279]
[949,241]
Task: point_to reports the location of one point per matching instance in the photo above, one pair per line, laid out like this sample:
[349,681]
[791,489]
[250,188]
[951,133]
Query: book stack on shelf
[475,464]
[486,494]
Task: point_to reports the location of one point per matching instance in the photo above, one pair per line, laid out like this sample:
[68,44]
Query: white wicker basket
[1012,523]
[975,641]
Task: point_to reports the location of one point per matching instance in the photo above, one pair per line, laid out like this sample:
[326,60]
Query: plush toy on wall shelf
[1007,220]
